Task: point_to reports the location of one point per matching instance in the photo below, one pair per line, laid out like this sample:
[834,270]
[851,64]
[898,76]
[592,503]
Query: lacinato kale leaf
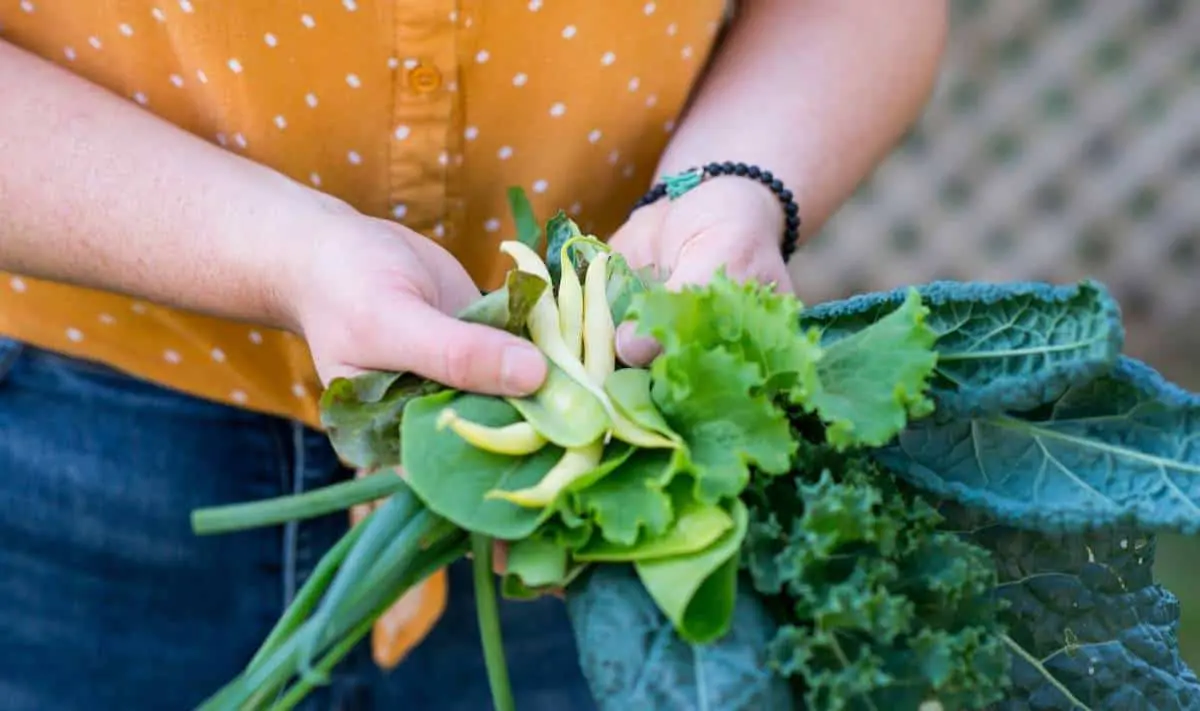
[634,661]
[1000,346]
[1123,448]
[1087,626]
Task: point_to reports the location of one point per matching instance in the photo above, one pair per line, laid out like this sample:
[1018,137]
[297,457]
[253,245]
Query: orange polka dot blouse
[423,111]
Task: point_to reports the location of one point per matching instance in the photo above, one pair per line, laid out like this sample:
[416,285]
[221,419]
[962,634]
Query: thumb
[464,356]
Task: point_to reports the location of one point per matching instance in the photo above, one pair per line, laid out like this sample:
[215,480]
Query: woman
[208,210]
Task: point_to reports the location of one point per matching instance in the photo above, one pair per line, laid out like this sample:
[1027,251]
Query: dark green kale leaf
[880,610]
[634,661]
[1088,627]
[1000,346]
[1122,448]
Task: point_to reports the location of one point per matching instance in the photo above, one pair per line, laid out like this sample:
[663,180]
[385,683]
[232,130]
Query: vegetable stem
[391,524]
[489,624]
[442,554]
[310,593]
[328,499]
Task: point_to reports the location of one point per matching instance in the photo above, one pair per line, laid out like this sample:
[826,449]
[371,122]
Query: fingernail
[635,350]
[522,369]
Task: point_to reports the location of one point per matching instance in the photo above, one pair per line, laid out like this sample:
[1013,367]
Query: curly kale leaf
[634,661]
[1123,448]
[880,609]
[1000,346]
[1088,627]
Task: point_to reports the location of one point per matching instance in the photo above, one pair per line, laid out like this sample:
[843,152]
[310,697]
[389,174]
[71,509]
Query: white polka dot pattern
[424,122]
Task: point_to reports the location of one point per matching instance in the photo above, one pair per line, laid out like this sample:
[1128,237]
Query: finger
[464,356]
[699,262]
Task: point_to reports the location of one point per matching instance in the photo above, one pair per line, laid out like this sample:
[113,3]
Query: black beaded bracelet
[673,186]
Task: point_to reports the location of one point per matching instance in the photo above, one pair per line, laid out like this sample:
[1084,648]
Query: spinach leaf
[634,661]
[697,590]
[452,477]
[1122,448]
[361,415]
[1000,346]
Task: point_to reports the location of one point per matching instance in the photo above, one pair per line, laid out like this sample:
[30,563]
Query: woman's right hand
[374,295]
[95,191]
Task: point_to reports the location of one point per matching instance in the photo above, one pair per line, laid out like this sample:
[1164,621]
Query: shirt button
[424,78]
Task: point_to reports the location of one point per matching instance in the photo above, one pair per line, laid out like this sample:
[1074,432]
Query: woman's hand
[374,295]
[727,222]
[175,220]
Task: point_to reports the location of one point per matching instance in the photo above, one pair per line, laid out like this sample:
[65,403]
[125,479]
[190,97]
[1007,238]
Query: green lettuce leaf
[696,527]
[872,381]
[697,590]
[633,660]
[631,499]
[537,562]
[361,415]
[507,308]
[715,401]
[748,320]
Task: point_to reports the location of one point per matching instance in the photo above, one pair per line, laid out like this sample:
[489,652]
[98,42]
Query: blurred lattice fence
[1063,142]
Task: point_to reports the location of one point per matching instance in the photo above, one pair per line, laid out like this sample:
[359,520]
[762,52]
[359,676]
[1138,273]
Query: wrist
[745,193]
[287,269]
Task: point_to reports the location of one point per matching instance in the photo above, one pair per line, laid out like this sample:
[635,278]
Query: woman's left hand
[729,222]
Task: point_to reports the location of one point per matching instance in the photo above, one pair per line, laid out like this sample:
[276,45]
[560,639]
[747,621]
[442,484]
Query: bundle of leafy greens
[934,498]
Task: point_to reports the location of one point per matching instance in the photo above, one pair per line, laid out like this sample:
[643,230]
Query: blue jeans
[109,601]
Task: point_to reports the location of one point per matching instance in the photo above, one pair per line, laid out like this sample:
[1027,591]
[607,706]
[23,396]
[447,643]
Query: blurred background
[1063,142]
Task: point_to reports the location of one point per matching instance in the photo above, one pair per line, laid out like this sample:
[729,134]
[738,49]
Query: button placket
[424,116]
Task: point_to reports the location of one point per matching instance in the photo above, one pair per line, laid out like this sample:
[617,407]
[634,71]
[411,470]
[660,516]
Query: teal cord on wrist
[674,186]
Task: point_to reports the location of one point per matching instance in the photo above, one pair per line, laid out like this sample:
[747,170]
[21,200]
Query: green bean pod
[570,304]
[517,439]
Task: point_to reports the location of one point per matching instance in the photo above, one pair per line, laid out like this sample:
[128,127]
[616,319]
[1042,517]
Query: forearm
[97,192]
[816,91]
